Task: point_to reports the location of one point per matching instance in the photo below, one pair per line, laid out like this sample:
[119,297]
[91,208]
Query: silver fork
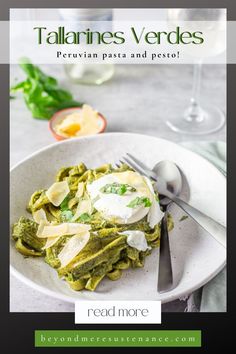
[139,167]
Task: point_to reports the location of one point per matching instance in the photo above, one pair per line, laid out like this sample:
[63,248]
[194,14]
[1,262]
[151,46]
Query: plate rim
[69,299]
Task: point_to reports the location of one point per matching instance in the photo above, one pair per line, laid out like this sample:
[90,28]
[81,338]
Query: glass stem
[194,112]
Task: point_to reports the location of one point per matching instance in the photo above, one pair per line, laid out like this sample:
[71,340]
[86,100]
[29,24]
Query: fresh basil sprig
[66,215]
[139,201]
[64,204]
[85,217]
[117,188]
[41,92]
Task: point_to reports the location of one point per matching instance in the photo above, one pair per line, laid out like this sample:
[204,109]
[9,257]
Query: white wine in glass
[199,118]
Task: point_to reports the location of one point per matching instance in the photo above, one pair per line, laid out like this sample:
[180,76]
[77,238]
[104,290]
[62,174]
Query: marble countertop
[135,100]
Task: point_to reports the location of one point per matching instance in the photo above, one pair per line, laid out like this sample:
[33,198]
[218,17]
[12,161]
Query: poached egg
[121,208]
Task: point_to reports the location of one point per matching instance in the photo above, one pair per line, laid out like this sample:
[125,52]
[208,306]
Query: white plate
[197,257]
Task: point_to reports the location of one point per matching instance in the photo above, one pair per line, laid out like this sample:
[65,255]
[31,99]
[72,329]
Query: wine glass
[199,117]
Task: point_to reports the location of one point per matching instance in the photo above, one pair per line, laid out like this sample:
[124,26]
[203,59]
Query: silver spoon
[165,273]
[169,183]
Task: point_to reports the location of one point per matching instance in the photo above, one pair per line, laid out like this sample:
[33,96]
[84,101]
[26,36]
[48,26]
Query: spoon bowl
[169,179]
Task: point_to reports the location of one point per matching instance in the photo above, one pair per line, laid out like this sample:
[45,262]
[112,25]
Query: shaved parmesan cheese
[136,239]
[85,206]
[73,247]
[89,113]
[50,242]
[42,224]
[39,215]
[80,190]
[155,213]
[76,228]
[63,229]
[57,192]
[53,230]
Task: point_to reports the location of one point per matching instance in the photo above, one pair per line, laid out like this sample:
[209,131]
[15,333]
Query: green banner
[117,338]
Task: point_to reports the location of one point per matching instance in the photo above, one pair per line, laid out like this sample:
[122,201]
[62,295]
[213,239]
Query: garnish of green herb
[139,201]
[85,217]
[66,215]
[64,204]
[117,188]
[41,92]
[184,217]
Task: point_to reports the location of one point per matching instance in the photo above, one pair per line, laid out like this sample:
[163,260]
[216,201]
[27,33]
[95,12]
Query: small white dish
[58,117]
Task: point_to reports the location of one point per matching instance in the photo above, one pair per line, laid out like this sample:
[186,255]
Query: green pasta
[107,253]
[25,231]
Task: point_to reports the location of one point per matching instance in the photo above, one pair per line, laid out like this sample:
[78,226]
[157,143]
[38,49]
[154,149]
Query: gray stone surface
[135,100]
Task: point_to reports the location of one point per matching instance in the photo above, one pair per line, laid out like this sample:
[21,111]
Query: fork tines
[138,166]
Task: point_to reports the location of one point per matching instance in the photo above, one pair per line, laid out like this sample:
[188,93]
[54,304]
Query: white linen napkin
[212,296]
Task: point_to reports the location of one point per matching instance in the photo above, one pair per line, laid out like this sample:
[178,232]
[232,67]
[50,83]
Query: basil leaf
[116,188]
[41,92]
[139,201]
[64,204]
[85,217]
[66,215]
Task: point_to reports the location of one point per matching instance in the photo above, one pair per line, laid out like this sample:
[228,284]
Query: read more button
[121,312]
[117,312]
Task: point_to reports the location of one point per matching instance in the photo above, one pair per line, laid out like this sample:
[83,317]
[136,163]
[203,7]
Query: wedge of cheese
[48,231]
[73,247]
[70,124]
[57,192]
